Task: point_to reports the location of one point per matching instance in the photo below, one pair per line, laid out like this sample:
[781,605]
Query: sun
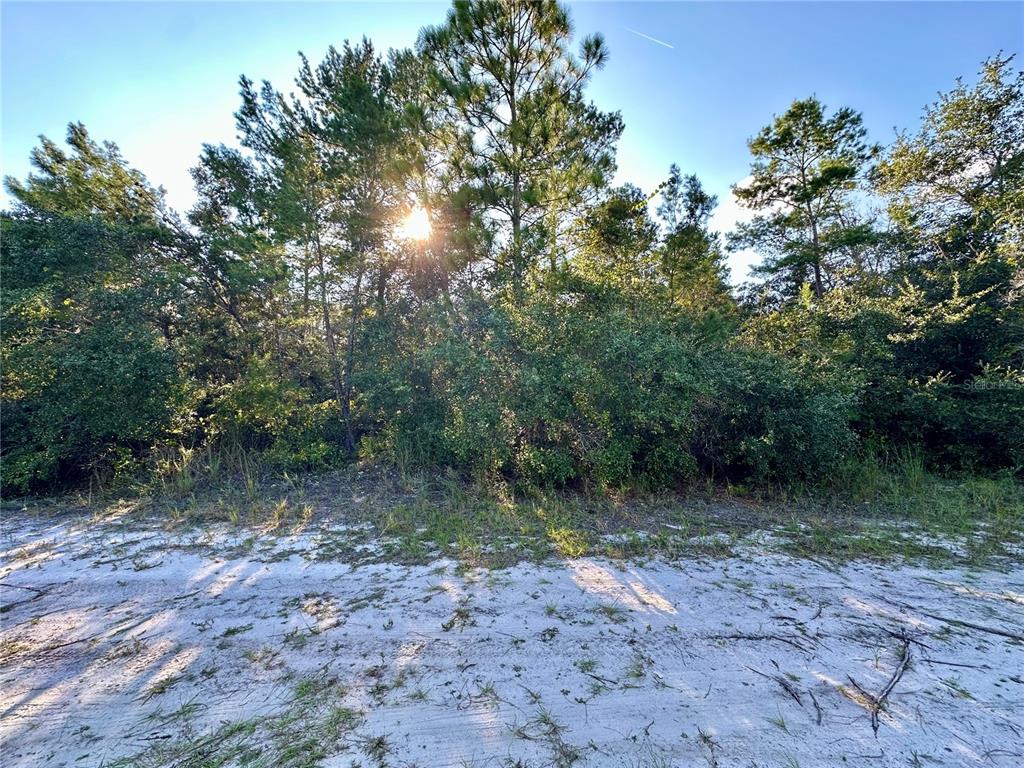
[416,225]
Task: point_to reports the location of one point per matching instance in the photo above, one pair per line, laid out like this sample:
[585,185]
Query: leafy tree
[930,341]
[88,313]
[353,112]
[616,243]
[684,201]
[92,181]
[956,185]
[956,190]
[806,169]
[331,159]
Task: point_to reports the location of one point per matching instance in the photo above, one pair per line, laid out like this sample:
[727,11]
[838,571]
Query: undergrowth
[873,508]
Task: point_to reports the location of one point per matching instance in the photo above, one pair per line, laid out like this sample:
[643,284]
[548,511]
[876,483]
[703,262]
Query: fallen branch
[971,625]
[952,663]
[959,622]
[801,622]
[878,701]
[38,593]
[600,679]
[817,708]
[787,686]
[37,590]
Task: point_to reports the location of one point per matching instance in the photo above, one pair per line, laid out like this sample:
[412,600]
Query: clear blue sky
[161,78]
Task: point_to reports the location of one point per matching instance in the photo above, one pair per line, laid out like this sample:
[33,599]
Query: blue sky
[161,78]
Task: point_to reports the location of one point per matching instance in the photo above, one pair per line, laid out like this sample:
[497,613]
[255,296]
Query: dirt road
[123,645]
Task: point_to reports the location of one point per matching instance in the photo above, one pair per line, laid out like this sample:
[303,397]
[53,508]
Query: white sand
[122,642]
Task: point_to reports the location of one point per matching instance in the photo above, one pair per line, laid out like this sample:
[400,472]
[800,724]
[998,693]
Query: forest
[419,259]
[423,438]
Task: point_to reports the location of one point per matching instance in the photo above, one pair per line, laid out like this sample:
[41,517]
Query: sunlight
[416,225]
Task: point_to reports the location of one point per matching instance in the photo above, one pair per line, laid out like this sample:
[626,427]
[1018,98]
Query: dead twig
[37,594]
[958,622]
[952,663]
[877,702]
[787,686]
[971,625]
[600,679]
[801,622]
[814,700]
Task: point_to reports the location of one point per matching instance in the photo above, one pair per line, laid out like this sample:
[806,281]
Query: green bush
[772,423]
[606,395]
[87,404]
[976,425]
[286,423]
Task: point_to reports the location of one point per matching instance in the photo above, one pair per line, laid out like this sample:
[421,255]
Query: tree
[956,185]
[332,159]
[89,306]
[92,181]
[956,190]
[352,111]
[684,202]
[521,133]
[691,254]
[617,239]
[805,171]
[956,195]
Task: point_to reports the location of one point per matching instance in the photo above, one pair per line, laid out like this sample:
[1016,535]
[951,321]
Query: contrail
[652,39]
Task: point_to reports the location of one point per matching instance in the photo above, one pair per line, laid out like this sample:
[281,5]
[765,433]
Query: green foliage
[84,405]
[772,423]
[691,259]
[548,330]
[520,136]
[896,356]
[265,413]
[956,186]
[617,239]
[89,380]
[603,395]
[92,181]
[805,168]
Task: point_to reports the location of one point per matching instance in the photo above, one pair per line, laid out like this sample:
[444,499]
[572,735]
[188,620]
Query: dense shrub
[87,405]
[770,422]
[974,425]
[557,392]
[265,413]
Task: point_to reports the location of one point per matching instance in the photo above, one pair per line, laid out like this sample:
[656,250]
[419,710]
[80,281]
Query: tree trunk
[332,349]
[346,403]
[517,237]
[819,289]
[382,283]
[518,271]
[305,294]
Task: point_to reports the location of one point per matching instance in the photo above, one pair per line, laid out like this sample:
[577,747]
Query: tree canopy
[538,322]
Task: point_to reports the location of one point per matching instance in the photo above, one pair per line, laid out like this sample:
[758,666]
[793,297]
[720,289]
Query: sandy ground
[127,646]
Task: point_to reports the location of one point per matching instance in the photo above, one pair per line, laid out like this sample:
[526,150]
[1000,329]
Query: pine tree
[806,169]
[523,136]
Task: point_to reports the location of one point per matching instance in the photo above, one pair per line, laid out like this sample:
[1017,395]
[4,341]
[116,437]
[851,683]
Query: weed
[161,686]
[614,612]
[236,630]
[586,665]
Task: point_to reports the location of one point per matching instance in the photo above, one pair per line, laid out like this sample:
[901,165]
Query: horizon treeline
[549,327]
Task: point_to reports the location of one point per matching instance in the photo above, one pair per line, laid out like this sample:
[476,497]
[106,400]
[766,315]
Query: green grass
[881,510]
[310,728]
[871,509]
